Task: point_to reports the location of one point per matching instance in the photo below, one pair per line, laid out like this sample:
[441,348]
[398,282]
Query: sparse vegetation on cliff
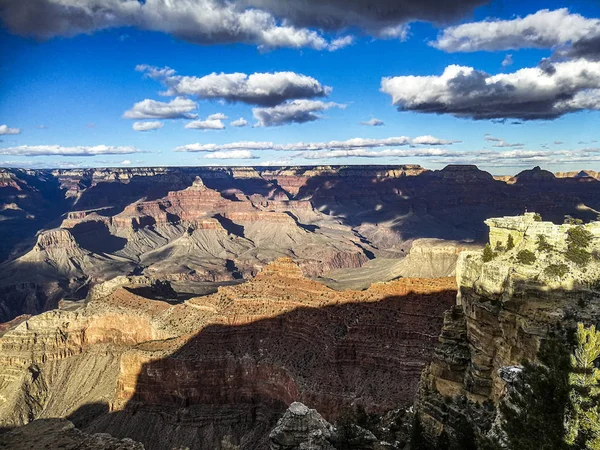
[579,237]
[534,410]
[526,257]
[556,270]
[583,418]
[542,244]
[573,221]
[488,253]
[510,243]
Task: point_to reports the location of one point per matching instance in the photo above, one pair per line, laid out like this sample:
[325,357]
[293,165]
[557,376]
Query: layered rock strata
[505,307]
[224,367]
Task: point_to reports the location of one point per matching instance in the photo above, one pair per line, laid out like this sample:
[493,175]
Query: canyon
[280,308]
[347,226]
[222,367]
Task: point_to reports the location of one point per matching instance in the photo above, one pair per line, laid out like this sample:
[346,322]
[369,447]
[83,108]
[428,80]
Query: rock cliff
[506,305]
[220,368]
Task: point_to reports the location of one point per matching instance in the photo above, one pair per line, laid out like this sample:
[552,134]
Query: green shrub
[526,257]
[537,217]
[488,253]
[542,244]
[573,221]
[578,255]
[579,237]
[556,270]
[510,243]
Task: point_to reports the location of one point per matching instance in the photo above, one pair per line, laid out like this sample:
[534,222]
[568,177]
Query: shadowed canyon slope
[222,367]
[68,229]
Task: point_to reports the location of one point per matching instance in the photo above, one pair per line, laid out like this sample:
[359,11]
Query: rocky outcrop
[301,427]
[432,258]
[61,433]
[223,367]
[505,307]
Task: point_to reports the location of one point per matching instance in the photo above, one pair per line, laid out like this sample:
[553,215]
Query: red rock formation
[227,363]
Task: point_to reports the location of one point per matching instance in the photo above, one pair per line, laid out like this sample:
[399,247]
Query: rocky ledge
[534,278]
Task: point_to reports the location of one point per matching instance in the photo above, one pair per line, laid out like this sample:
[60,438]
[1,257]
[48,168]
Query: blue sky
[72,91]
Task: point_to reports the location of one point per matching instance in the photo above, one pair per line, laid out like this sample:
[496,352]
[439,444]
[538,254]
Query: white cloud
[507,61]
[217,116]
[373,122]
[432,140]
[45,150]
[147,126]
[233,154]
[544,92]
[209,124]
[4,129]
[265,89]
[341,42]
[349,144]
[125,162]
[178,108]
[241,122]
[296,111]
[544,29]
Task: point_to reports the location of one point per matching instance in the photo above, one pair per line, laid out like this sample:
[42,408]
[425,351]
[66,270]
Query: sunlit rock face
[223,367]
[504,308]
[217,224]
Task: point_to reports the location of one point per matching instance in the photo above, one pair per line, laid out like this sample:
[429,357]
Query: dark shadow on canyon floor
[235,380]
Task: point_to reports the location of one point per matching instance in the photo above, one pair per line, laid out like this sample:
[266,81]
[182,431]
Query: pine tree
[510,243]
[488,253]
[583,416]
[534,410]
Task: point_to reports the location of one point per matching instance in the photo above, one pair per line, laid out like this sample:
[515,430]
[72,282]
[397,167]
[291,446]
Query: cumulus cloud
[373,122]
[4,129]
[527,94]
[349,144]
[217,116]
[263,89]
[147,126]
[501,143]
[125,162]
[241,122]
[208,124]
[46,150]
[266,23]
[233,154]
[545,29]
[296,111]
[507,61]
[178,108]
